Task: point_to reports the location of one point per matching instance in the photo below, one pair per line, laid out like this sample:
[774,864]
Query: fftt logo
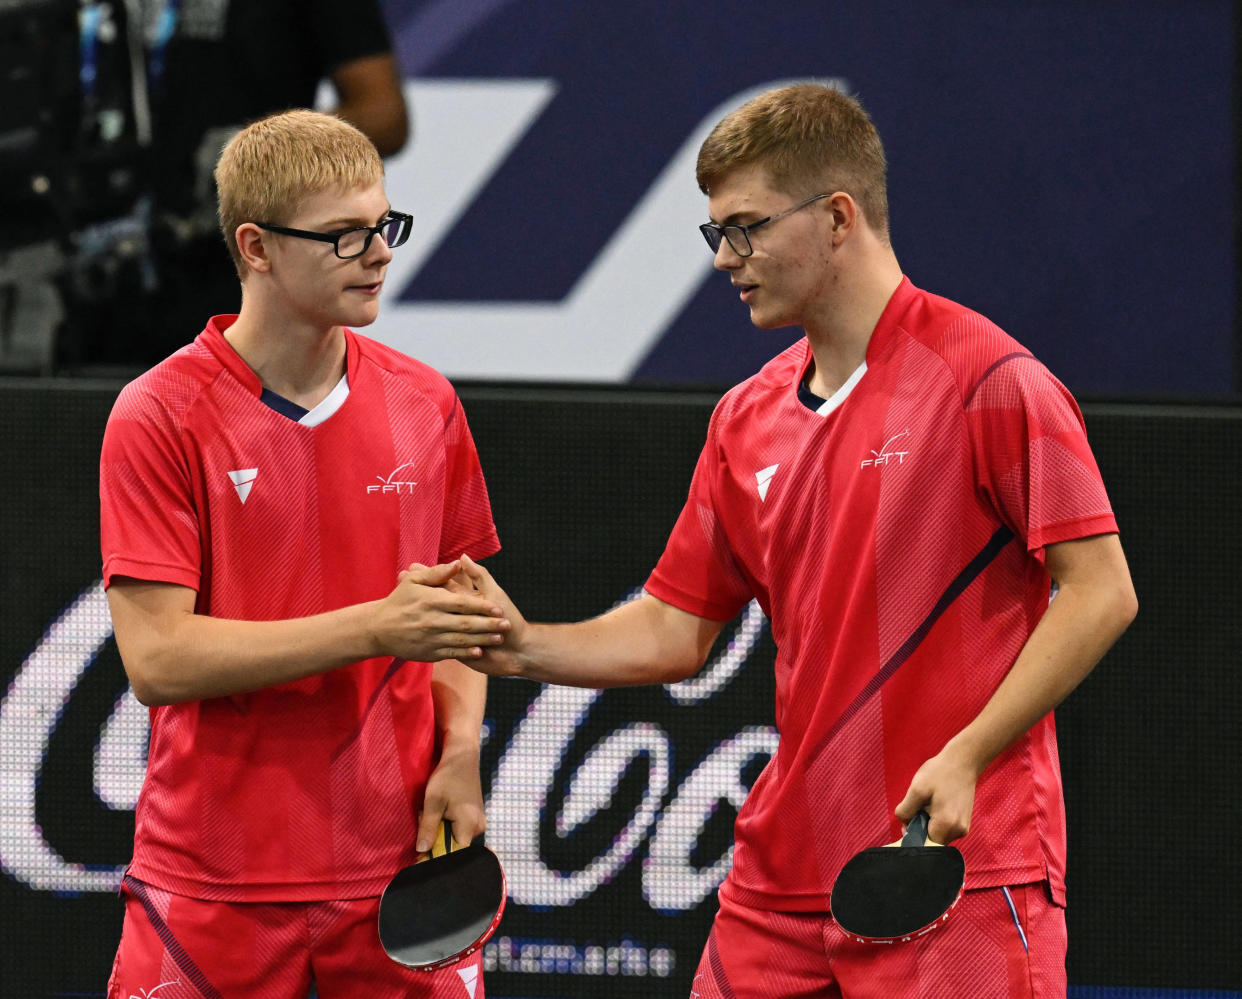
[888,453]
[398,482]
[152,993]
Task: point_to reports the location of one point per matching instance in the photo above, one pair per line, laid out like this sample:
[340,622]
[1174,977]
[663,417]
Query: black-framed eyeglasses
[350,243]
[739,235]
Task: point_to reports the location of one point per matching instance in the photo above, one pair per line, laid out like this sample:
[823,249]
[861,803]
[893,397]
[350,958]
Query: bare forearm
[1080,625]
[460,698]
[386,125]
[455,789]
[1095,604]
[171,653]
[370,97]
[642,642]
[200,657]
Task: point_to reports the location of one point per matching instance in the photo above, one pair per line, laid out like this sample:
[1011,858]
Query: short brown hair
[805,135]
[272,165]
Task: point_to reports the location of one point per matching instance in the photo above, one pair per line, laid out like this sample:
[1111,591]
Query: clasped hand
[431,615]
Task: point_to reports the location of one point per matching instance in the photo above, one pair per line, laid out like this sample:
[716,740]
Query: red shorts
[174,947]
[998,943]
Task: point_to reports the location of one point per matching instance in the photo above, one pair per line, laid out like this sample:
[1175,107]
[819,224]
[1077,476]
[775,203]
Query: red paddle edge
[906,937]
[465,952]
[922,931]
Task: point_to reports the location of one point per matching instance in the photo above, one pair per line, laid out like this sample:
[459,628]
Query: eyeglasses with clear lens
[738,236]
[347,244]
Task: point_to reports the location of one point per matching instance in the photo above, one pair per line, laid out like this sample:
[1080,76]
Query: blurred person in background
[212,66]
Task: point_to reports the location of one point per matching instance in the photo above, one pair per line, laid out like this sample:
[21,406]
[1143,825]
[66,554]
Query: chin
[357,318]
[770,322]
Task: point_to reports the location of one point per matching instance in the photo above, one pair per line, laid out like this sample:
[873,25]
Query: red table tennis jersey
[308,790]
[894,538]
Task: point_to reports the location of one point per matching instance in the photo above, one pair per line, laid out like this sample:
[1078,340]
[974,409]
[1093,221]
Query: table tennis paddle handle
[916,830]
[444,842]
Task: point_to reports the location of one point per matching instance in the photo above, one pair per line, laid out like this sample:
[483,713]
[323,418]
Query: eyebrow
[736,218]
[355,222]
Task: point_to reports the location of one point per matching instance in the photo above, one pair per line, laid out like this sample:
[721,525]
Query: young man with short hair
[275,499]
[897,490]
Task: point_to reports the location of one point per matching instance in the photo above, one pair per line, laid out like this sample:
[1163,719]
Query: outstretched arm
[172,654]
[1095,603]
[641,642]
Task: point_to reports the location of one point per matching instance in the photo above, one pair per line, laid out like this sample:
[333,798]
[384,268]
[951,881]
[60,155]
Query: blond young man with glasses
[282,501]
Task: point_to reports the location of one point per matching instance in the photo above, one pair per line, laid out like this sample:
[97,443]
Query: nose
[726,258]
[379,252]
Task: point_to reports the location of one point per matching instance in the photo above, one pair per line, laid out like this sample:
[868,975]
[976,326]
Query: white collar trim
[841,394]
[330,403]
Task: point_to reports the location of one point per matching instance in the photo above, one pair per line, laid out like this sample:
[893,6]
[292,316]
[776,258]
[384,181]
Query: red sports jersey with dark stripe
[308,790]
[894,537]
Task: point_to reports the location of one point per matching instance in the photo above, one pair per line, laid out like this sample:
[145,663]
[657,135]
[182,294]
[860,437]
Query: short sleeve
[468,524]
[697,572]
[1032,457]
[149,528]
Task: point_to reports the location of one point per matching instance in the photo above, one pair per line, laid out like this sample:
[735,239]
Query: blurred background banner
[613,810]
[1068,169]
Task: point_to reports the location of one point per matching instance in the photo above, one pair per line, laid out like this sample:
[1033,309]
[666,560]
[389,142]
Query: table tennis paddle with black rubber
[444,907]
[894,893]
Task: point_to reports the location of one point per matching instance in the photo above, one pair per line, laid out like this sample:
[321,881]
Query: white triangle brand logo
[243,479]
[470,978]
[764,479]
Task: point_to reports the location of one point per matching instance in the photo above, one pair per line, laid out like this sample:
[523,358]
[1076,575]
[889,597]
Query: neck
[840,334]
[293,358]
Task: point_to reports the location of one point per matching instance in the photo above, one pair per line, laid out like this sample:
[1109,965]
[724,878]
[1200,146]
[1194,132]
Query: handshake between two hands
[454,610]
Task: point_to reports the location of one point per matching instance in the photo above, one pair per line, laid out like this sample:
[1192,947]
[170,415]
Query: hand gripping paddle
[444,907]
[889,894]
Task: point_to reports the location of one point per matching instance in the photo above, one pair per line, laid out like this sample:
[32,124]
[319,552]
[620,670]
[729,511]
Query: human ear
[845,215]
[251,248]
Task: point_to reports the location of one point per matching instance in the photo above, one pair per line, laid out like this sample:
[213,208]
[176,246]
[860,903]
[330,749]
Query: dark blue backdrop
[1066,168]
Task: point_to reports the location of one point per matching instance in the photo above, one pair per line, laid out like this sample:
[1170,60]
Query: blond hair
[271,166]
[811,139]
